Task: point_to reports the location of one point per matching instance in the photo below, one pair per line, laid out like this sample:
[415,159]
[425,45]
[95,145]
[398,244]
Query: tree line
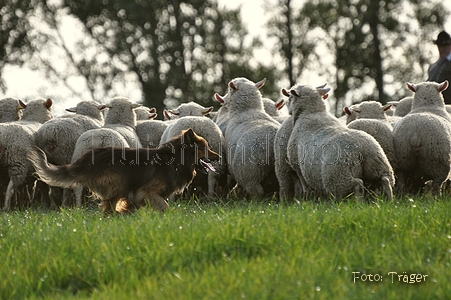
[178,51]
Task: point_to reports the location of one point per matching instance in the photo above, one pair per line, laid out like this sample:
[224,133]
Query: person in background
[441,69]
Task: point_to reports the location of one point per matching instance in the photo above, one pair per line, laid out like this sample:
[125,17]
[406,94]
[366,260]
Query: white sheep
[144,113]
[118,131]
[371,118]
[221,118]
[187,109]
[403,106]
[57,137]
[16,138]
[11,109]
[423,140]
[273,109]
[329,158]
[203,183]
[149,130]
[249,139]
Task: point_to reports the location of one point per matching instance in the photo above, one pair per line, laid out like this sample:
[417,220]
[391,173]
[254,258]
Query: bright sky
[26,84]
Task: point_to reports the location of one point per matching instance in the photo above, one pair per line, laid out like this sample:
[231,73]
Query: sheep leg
[78,191]
[359,191]
[211,184]
[67,197]
[8,196]
[386,187]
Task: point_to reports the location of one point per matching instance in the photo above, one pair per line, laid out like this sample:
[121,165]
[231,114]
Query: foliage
[229,250]
[377,46]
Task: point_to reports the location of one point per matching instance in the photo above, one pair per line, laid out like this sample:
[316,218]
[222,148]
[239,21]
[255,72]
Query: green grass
[234,250]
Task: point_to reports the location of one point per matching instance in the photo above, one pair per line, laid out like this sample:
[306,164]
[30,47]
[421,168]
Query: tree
[377,45]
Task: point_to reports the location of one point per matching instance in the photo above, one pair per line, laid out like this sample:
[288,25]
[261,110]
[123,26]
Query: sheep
[221,118]
[187,109]
[192,109]
[273,109]
[329,158]
[207,129]
[11,109]
[403,106]
[16,138]
[249,139]
[57,137]
[122,118]
[422,140]
[371,118]
[144,113]
[118,131]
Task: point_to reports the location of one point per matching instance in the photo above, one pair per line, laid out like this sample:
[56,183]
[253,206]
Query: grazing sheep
[207,129]
[423,140]
[371,118]
[16,139]
[118,131]
[249,139]
[329,158]
[11,109]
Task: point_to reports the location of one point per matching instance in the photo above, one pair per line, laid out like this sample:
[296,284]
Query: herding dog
[137,175]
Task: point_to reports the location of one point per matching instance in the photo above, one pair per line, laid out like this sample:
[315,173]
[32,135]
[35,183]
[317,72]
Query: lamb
[249,139]
[372,119]
[329,158]
[118,131]
[207,129]
[16,138]
[422,140]
[403,106]
[11,109]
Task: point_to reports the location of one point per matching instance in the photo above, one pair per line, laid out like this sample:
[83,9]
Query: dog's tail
[51,174]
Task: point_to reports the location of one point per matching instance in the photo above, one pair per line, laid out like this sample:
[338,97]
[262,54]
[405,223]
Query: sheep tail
[51,174]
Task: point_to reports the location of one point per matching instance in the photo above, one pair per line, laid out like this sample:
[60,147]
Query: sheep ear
[48,103]
[207,110]
[153,116]
[323,91]
[279,104]
[136,105]
[285,93]
[260,83]
[443,86]
[387,106]
[347,110]
[321,86]
[218,98]
[152,110]
[166,114]
[21,105]
[232,86]
[101,106]
[72,109]
[412,87]
[295,93]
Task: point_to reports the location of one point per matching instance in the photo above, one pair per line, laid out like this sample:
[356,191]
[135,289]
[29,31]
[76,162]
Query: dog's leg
[158,202]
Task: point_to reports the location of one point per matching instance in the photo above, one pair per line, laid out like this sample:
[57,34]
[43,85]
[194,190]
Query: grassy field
[233,250]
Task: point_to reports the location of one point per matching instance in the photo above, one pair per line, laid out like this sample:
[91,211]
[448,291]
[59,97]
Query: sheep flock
[300,153]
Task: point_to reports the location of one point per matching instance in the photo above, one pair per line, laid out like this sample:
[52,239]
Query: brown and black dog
[139,175]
